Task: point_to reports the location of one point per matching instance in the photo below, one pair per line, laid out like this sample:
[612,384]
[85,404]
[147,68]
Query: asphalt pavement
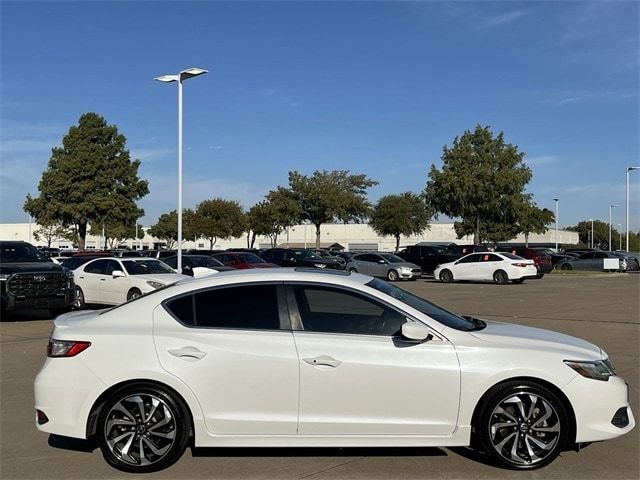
[604,309]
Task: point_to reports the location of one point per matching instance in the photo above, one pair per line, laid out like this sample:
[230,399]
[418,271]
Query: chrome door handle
[323,361]
[188,353]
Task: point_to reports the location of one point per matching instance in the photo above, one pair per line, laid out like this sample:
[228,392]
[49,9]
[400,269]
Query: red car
[542,260]
[242,260]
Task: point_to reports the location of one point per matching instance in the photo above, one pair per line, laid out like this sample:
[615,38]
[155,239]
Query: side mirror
[416,332]
[186,270]
[381,261]
[117,274]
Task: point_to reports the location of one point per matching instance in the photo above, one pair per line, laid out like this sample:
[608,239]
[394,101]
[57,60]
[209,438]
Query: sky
[371,87]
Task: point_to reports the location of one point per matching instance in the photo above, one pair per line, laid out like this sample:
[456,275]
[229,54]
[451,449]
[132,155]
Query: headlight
[319,265]
[406,269]
[598,370]
[153,284]
[4,276]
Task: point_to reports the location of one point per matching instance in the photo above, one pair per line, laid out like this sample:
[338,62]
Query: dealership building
[349,236]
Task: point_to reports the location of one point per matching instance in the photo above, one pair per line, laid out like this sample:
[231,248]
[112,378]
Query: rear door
[488,265]
[234,348]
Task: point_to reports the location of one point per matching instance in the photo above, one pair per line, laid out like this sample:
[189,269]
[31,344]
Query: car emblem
[39,278]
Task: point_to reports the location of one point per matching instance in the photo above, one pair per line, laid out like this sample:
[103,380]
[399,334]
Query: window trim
[296,318]
[282,307]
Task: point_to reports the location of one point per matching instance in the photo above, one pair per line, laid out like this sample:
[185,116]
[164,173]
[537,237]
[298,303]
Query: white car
[498,267]
[299,358]
[112,281]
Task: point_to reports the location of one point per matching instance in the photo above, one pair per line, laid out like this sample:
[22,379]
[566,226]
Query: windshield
[203,261]
[145,267]
[439,314]
[392,258]
[20,252]
[307,255]
[250,258]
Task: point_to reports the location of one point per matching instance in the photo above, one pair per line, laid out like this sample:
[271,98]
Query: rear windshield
[510,256]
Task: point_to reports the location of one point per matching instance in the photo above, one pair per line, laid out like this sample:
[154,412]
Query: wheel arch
[571,437]
[97,406]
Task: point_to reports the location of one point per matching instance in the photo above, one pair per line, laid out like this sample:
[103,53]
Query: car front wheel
[142,429]
[446,276]
[392,275]
[523,425]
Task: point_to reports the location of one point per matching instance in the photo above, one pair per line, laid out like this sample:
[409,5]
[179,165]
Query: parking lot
[603,309]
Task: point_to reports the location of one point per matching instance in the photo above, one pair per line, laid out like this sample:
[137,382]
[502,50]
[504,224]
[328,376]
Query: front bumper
[597,405]
[11,302]
[409,275]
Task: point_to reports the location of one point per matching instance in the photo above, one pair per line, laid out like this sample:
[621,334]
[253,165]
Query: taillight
[520,264]
[65,348]
[537,260]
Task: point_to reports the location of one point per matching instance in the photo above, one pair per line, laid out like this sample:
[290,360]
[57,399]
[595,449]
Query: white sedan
[299,358]
[498,267]
[112,281]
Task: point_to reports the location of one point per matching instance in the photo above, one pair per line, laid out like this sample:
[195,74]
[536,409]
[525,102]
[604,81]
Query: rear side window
[245,307]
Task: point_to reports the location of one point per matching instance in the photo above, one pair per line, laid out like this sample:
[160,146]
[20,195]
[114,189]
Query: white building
[351,236]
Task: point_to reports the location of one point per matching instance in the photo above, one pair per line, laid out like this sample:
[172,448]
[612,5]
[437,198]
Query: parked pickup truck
[428,257]
[28,279]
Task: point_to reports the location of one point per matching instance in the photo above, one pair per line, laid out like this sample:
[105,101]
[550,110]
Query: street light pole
[627,198]
[557,200]
[180,77]
[592,241]
[610,207]
[620,234]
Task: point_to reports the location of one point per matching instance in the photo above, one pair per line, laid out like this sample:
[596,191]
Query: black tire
[79,303]
[353,270]
[501,423]
[392,275]
[446,276]
[566,266]
[133,293]
[500,277]
[519,280]
[170,421]
[539,276]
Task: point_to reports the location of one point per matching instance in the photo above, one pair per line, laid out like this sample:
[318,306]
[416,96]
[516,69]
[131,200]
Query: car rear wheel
[142,429]
[500,277]
[392,275]
[133,293]
[446,276]
[79,301]
[523,425]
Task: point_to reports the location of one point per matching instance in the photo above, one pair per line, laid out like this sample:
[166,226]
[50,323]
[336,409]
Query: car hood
[529,337]
[29,267]
[166,278]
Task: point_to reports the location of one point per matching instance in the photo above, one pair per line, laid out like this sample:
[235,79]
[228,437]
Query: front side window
[392,258]
[331,310]
[244,307]
[470,258]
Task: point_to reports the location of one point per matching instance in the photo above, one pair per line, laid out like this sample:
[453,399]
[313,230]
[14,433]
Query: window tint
[111,266]
[329,310]
[182,308]
[587,256]
[600,255]
[470,258]
[490,257]
[247,306]
[289,256]
[98,267]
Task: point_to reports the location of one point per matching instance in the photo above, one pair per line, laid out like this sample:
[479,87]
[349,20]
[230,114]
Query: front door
[358,377]
[235,351]
[467,267]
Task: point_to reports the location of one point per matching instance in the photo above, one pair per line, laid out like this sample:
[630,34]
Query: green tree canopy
[50,230]
[219,218]
[327,196]
[396,215]
[271,216]
[601,236]
[532,219]
[90,178]
[115,231]
[482,183]
[166,228]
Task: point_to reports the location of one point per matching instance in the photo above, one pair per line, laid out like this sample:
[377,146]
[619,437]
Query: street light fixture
[629,169]
[556,200]
[610,207]
[180,77]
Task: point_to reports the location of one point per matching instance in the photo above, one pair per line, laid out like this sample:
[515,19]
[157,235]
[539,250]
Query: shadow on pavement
[317,452]
[68,443]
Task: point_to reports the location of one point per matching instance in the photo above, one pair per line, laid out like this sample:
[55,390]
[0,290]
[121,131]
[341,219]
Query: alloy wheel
[79,300]
[524,428]
[140,429]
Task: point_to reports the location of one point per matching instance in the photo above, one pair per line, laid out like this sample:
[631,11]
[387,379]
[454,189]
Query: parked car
[160,254]
[78,259]
[242,260]
[628,262]
[197,265]
[555,257]
[28,279]
[112,281]
[299,257]
[596,260]
[126,253]
[346,256]
[323,359]
[321,252]
[498,267]
[385,265]
[466,249]
[428,257]
[542,261]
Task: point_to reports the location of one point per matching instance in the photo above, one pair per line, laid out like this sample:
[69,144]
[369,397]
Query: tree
[532,219]
[116,232]
[49,230]
[328,196]
[219,218]
[601,235]
[166,228]
[482,183]
[90,178]
[396,215]
[271,216]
